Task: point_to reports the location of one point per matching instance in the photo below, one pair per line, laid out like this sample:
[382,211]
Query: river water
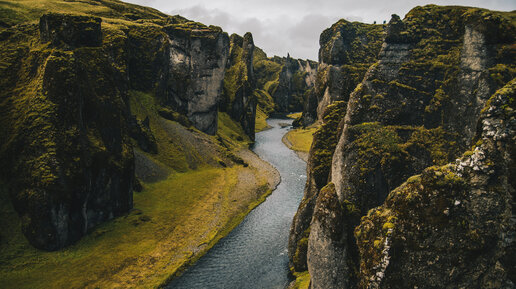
[254,254]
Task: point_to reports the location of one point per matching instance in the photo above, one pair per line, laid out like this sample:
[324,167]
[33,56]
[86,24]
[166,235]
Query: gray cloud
[294,26]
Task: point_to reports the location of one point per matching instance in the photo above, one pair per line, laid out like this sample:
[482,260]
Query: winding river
[254,254]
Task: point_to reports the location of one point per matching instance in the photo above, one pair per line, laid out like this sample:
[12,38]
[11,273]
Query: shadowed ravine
[254,254]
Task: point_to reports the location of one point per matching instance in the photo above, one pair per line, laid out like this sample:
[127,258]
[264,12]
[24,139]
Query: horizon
[294,27]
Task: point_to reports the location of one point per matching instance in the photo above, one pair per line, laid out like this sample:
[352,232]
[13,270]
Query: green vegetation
[197,198]
[261,120]
[300,139]
[325,142]
[157,238]
[302,280]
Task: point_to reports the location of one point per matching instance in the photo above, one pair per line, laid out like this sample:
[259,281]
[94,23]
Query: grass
[261,120]
[302,280]
[173,223]
[301,138]
[295,115]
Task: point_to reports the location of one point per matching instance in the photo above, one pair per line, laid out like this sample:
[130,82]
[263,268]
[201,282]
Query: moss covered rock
[417,106]
[67,122]
[238,98]
[347,50]
[318,169]
[451,225]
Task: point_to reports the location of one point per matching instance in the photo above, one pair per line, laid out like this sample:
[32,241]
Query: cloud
[294,26]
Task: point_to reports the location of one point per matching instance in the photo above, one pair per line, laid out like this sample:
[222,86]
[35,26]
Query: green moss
[302,280]
[301,138]
[325,141]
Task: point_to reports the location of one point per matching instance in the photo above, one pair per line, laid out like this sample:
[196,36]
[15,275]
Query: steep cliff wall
[347,49]
[295,79]
[238,98]
[451,226]
[196,65]
[283,83]
[66,117]
[416,107]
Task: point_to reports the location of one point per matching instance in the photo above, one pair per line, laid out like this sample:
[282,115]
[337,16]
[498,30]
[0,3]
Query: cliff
[418,106]
[282,83]
[238,98]
[347,49]
[453,225]
[67,121]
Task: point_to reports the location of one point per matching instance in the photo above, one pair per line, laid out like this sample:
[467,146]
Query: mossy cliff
[418,106]
[238,98]
[453,225]
[318,168]
[347,49]
[282,83]
[67,121]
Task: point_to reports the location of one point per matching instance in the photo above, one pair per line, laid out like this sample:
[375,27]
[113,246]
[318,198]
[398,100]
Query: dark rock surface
[67,121]
[451,226]
[71,31]
[347,50]
[238,98]
[417,106]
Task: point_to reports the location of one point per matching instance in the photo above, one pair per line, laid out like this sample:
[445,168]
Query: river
[254,254]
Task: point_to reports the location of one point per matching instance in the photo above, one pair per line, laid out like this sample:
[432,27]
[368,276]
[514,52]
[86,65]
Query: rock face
[282,83]
[197,62]
[451,226]
[347,50]
[337,76]
[318,170]
[72,31]
[238,98]
[295,79]
[67,124]
[417,106]
[65,140]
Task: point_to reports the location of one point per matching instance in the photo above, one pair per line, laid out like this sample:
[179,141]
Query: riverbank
[175,221]
[300,141]
[253,255]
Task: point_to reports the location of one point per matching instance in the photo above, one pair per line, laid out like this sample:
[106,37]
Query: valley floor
[173,223]
[300,141]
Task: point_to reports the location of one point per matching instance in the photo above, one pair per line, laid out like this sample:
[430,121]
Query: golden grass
[294,115]
[301,139]
[302,280]
[173,223]
[261,120]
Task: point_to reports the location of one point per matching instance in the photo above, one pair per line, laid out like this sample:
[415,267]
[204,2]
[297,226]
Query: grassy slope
[301,138]
[302,281]
[175,220]
[261,120]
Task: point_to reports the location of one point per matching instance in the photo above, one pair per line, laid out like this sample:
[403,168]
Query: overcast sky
[294,26]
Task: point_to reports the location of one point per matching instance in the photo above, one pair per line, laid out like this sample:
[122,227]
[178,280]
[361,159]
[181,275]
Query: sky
[293,26]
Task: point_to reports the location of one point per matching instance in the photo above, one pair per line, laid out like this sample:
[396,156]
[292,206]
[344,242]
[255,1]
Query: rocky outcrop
[238,98]
[197,57]
[336,79]
[67,121]
[70,31]
[65,147]
[416,107]
[347,50]
[295,79]
[282,83]
[318,170]
[451,226]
